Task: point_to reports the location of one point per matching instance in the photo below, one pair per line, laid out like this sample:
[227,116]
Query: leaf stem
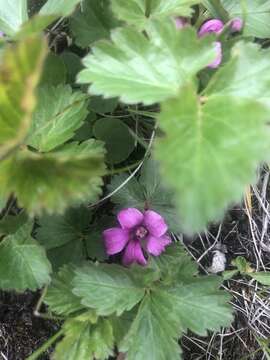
[46,345]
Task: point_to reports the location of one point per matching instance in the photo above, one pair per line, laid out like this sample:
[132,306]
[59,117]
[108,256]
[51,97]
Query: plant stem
[148,8]
[46,345]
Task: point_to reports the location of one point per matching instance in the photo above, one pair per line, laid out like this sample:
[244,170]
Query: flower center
[141,232]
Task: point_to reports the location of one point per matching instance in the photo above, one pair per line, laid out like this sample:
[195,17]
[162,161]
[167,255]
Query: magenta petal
[211,26]
[180,22]
[236,24]
[218,58]
[155,223]
[130,218]
[115,240]
[133,253]
[155,246]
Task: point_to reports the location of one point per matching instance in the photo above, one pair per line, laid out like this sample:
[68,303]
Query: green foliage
[59,113]
[147,70]
[59,296]
[139,12]
[84,340]
[73,65]
[217,168]
[91,22]
[118,140]
[58,230]
[117,291]
[261,277]
[13,13]
[24,264]
[59,7]
[54,71]
[67,176]
[154,332]
[20,70]
[255,13]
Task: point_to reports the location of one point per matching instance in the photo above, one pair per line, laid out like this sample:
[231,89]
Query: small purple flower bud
[211,26]
[218,59]
[236,24]
[139,234]
[180,22]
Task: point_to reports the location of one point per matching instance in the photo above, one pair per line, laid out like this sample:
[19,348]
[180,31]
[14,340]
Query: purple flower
[211,26]
[236,24]
[139,233]
[218,58]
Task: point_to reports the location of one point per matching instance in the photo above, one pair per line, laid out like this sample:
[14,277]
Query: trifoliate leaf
[54,71]
[118,140]
[59,7]
[59,113]
[153,334]
[59,296]
[19,74]
[167,312]
[203,155]
[146,69]
[13,13]
[199,305]
[107,288]
[58,230]
[85,341]
[91,22]
[52,182]
[24,264]
[139,12]
[255,14]
[246,75]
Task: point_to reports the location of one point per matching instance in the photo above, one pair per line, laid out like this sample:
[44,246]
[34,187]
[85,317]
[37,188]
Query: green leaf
[73,65]
[139,12]
[153,334]
[262,277]
[85,341]
[243,266]
[13,13]
[210,170]
[59,297]
[24,264]
[129,195]
[70,253]
[54,71]
[57,180]
[10,224]
[200,306]
[19,74]
[118,140]
[59,113]
[58,230]
[167,312]
[245,76]
[255,13]
[91,22]
[101,105]
[147,70]
[59,7]
[107,288]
